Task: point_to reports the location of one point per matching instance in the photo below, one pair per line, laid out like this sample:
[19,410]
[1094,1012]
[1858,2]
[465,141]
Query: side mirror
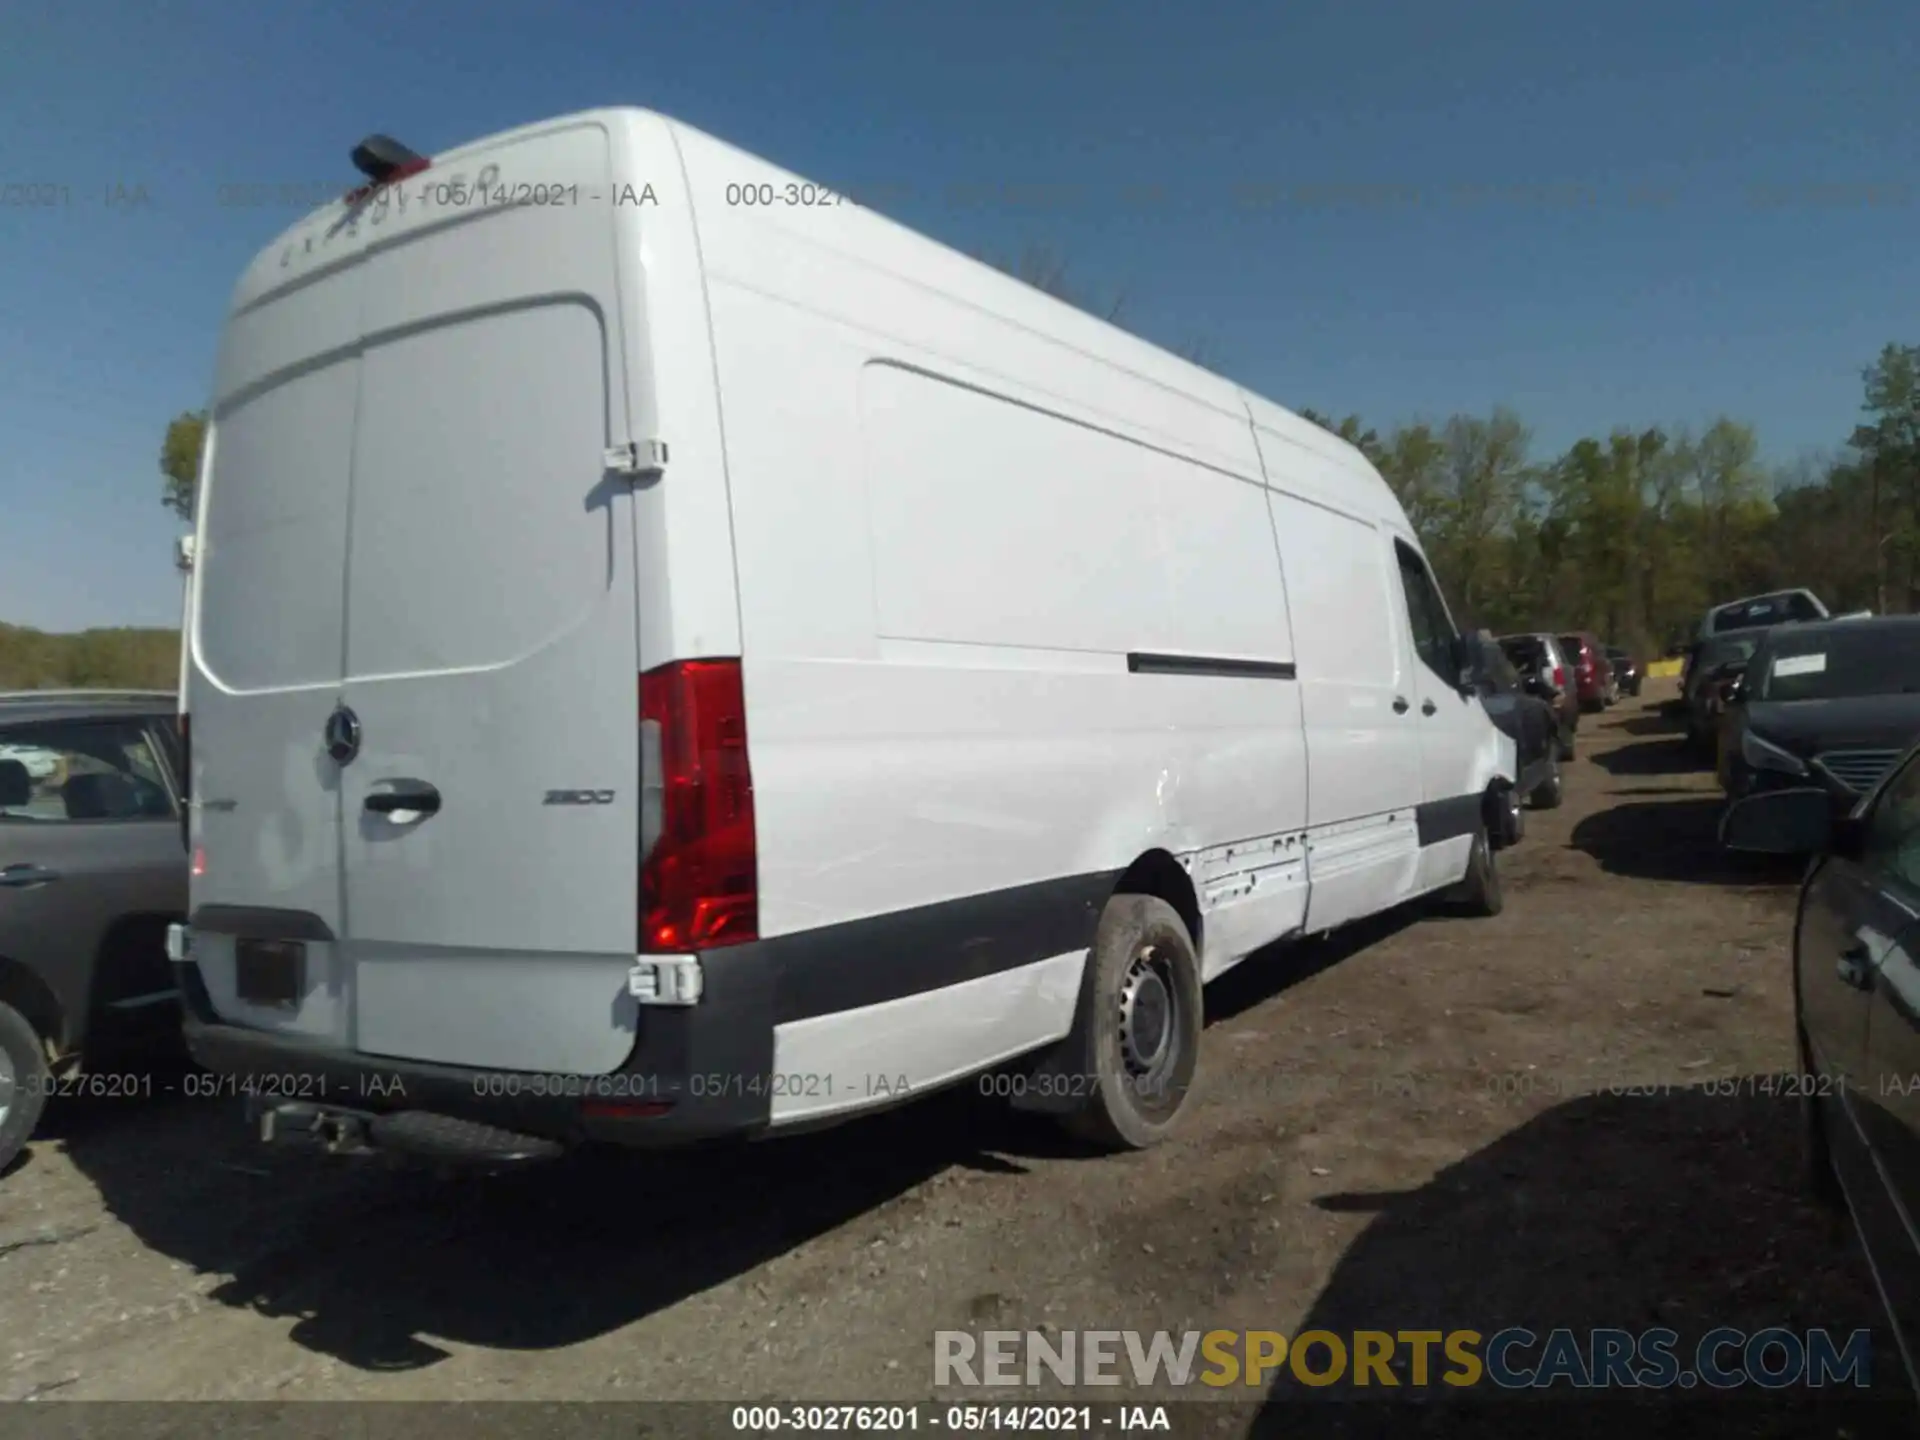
[1785,822]
[1734,688]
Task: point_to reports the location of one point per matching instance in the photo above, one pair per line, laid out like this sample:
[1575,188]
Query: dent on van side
[935,681]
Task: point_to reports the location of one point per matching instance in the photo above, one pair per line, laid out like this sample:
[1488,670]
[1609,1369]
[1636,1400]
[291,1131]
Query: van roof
[914,251]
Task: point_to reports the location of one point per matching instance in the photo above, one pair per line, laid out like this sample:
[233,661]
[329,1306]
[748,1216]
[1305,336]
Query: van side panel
[984,522]
[683,533]
[1025,752]
[1366,761]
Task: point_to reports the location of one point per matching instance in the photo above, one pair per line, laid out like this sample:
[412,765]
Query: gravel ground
[1429,1124]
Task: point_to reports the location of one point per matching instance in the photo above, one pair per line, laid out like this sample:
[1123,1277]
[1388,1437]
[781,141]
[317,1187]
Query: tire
[1138,1026]
[23,1087]
[1816,1155]
[1548,794]
[1478,893]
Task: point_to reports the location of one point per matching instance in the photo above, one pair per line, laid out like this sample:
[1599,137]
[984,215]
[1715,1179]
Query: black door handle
[1854,961]
[420,800]
[1427,707]
[1399,704]
[25,876]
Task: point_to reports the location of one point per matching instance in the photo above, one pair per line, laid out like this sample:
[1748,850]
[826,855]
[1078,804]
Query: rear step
[417,1134]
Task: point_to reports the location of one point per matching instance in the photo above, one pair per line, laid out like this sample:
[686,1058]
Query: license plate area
[270,972]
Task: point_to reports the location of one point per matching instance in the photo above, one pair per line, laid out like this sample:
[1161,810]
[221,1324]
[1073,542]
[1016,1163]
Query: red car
[1592,671]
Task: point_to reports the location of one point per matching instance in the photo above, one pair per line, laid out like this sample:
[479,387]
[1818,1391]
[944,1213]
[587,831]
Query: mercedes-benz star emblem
[343,735]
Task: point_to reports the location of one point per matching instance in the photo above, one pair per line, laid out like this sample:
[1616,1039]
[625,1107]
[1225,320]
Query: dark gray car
[1856,979]
[92,871]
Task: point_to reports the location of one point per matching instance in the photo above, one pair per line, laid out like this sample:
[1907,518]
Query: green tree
[1485,473]
[1361,436]
[1889,446]
[180,461]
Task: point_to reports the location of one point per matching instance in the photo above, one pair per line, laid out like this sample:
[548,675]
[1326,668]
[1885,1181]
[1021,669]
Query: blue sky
[1623,214]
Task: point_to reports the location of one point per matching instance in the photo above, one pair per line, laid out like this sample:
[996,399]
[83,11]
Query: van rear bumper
[689,1077]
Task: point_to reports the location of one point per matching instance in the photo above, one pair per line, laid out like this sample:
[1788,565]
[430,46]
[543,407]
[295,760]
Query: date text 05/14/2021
[964,1419]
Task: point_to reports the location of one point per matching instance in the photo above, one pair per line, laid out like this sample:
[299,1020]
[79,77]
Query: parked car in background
[1530,721]
[1545,672]
[92,872]
[1718,661]
[41,764]
[1831,705]
[1592,672]
[1856,969]
[1776,607]
[1756,612]
[1627,675]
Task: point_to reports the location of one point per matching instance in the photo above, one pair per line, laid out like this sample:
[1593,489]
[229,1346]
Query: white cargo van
[675,654]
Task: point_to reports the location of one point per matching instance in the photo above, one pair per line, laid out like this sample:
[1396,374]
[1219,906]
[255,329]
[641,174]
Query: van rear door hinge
[644,457]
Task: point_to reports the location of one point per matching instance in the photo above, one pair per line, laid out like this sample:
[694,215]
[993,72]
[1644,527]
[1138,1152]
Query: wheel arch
[1156,872]
[23,990]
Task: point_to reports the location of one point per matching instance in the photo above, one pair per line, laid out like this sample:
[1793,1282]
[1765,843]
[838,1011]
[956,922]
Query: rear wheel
[1138,1027]
[1478,892]
[1548,794]
[23,1083]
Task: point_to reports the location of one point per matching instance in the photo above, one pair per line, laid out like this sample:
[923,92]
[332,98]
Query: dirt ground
[1427,1125]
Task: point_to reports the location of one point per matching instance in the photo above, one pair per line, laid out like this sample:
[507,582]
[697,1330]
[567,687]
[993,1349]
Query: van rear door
[412,538]
[266,645]
[490,822]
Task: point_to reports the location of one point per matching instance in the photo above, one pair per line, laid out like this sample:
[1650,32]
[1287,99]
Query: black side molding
[1141,662]
[1448,819]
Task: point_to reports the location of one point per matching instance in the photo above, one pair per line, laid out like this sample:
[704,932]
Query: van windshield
[1844,662]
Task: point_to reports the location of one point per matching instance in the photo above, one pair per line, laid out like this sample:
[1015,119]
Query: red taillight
[699,883]
[1559,677]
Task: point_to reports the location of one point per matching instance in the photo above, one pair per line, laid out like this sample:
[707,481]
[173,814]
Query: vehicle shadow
[373,1264]
[1603,1211]
[1648,757]
[1675,840]
[369,1260]
[1279,967]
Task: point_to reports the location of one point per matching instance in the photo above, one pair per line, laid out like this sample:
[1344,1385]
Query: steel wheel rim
[7,1086]
[1150,1015]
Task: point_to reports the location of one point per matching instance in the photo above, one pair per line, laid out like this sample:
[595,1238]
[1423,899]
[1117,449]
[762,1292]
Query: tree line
[1633,534]
[120,658]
